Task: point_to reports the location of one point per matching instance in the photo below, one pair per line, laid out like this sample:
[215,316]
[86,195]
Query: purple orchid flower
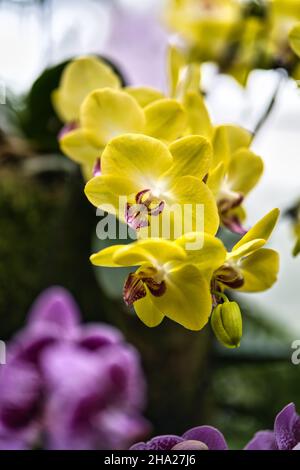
[69,386]
[199,438]
[286,434]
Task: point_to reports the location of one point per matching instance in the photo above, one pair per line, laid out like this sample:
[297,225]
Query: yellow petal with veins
[198,116]
[192,156]
[154,251]
[139,158]
[144,95]
[245,170]
[187,299]
[79,78]
[108,113]
[76,146]
[147,312]
[165,119]
[259,270]
[262,229]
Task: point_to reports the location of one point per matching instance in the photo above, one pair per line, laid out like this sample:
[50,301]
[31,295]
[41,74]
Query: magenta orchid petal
[166,442]
[287,428]
[262,440]
[97,336]
[67,386]
[55,306]
[99,387]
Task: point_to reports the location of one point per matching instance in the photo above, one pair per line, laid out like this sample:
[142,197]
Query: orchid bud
[226,322]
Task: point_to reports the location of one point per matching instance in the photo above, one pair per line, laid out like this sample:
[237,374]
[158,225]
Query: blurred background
[47,227]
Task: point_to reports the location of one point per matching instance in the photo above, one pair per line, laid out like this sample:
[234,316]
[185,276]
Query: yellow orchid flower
[206,24]
[161,185]
[239,36]
[168,283]
[249,267]
[81,76]
[235,169]
[107,113]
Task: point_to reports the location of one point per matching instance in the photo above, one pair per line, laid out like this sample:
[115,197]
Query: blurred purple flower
[286,434]
[199,438]
[69,386]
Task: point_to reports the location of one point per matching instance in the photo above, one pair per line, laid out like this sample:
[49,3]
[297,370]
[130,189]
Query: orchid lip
[137,215]
[229,276]
[233,224]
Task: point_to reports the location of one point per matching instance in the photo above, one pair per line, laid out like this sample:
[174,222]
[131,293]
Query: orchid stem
[221,295]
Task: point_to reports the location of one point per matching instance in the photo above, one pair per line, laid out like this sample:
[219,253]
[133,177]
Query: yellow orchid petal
[200,210]
[237,137]
[198,116]
[144,95]
[296,249]
[165,119]
[246,249]
[215,178]
[211,253]
[108,113]
[221,149]
[294,37]
[105,257]
[76,146]
[189,80]
[187,298]
[259,270]
[245,170]
[104,191]
[192,156]
[176,61]
[147,311]
[262,229]
[154,251]
[137,157]
[79,78]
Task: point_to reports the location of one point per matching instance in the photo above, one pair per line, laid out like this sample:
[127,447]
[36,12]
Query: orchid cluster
[69,386]
[163,152]
[238,35]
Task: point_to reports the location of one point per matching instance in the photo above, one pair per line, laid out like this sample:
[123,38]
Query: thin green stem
[221,295]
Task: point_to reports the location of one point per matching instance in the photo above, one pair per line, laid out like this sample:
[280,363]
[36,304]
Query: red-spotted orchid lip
[228,219]
[233,223]
[135,286]
[137,215]
[97,168]
[227,204]
[229,276]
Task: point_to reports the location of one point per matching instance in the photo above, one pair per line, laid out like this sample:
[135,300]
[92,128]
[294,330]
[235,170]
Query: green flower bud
[226,322]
